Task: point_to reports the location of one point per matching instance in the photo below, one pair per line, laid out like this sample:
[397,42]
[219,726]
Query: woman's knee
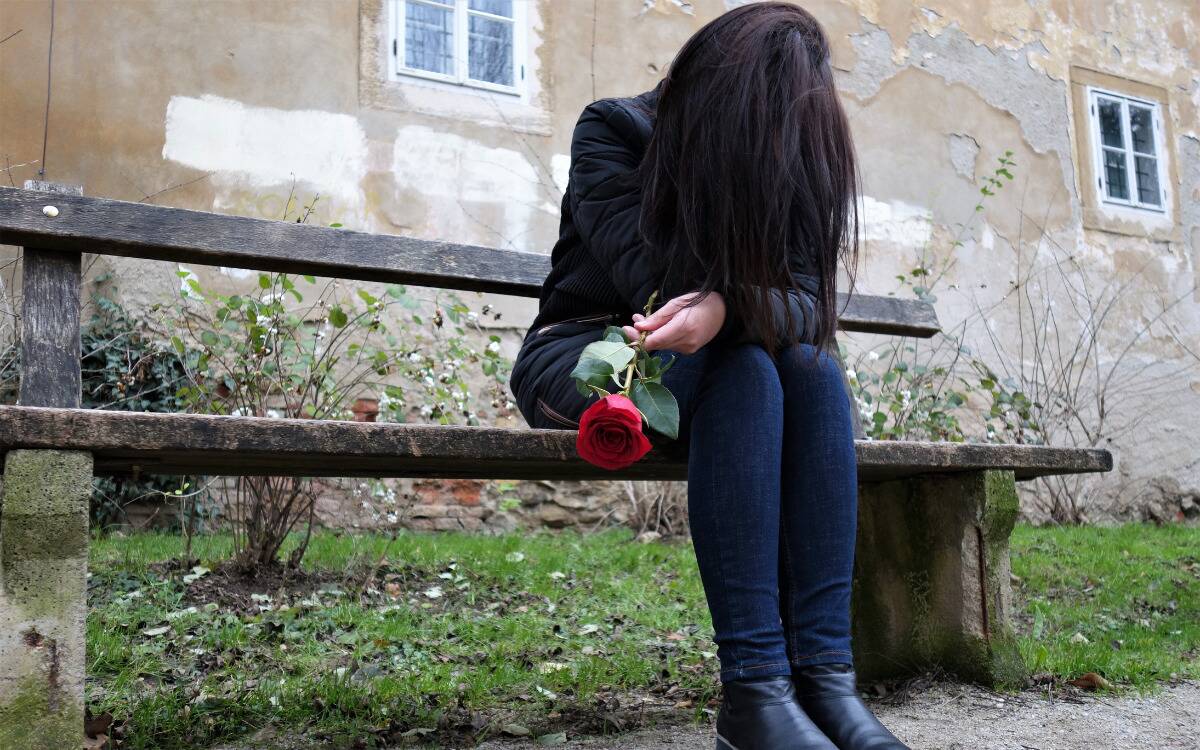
[752,367]
[811,368]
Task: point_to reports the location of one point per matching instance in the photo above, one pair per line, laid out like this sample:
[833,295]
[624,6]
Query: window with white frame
[1128,150]
[468,42]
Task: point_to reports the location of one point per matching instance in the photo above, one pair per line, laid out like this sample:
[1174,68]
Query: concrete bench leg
[43,598]
[932,588]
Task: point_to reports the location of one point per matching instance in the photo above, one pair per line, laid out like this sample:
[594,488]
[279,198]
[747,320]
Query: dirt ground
[958,717]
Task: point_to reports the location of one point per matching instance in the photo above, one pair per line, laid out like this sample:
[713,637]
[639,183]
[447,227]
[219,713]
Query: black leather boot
[829,696]
[762,714]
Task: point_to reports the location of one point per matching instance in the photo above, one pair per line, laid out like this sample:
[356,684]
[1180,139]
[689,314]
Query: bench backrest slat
[111,227]
[50,305]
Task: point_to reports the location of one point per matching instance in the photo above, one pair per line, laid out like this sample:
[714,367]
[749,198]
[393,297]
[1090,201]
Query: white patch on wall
[560,167]
[987,237]
[263,148]
[895,223]
[665,6]
[494,192]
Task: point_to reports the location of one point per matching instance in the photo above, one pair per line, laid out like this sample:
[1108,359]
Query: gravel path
[957,717]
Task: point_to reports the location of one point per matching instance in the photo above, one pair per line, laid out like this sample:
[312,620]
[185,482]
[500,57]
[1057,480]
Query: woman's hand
[680,328]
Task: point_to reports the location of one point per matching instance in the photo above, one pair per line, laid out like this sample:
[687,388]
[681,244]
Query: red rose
[610,433]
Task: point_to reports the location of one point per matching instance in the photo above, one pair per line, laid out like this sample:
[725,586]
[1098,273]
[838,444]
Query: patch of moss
[28,721]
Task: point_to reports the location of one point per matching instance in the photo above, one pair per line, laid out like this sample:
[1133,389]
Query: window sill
[1132,222]
[453,101]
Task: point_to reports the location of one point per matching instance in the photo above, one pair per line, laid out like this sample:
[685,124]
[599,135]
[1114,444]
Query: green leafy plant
[126,366]
[297,347]
[912,389]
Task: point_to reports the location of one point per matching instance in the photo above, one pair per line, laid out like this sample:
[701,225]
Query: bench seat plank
[125,442]
[139,230]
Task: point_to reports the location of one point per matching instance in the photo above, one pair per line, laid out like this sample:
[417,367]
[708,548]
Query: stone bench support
[43,598]
[932,578]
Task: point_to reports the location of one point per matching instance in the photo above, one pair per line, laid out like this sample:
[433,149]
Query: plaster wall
[231,106]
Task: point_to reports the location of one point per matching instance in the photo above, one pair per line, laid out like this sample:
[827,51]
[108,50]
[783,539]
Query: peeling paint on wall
[1189,174]
[1006,80]
[874,49]
[963,151]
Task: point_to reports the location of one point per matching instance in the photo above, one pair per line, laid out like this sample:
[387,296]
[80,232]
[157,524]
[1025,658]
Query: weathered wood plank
[161,233]
[50,347]
[123,442]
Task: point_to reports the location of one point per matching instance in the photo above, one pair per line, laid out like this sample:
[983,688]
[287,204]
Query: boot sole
[724,744]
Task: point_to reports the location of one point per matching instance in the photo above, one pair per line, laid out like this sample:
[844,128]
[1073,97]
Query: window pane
[428,37]
[1110,123]
[489,50]
[1147,180]
[1141,127]
[1115,175]
[495,7]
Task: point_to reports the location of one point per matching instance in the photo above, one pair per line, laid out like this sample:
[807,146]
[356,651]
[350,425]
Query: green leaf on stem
[612,352]
[591,372]
[615,335]
[655,366]
[658,405]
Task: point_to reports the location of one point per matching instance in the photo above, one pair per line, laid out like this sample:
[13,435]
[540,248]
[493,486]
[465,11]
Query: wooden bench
[932,576]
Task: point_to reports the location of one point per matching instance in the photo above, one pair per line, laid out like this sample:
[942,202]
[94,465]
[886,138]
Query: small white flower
[493,346]
[851,374]
[872,356]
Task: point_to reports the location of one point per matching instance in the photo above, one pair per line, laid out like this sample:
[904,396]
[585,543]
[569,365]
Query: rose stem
[640,345]
[633,363]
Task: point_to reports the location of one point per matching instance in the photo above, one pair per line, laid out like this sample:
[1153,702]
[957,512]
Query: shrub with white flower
[296,346]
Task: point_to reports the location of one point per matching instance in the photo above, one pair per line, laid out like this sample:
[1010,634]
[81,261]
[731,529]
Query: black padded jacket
[600,266]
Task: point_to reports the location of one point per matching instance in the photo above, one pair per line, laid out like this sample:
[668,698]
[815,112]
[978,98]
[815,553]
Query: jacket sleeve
[605,199]
[801,304]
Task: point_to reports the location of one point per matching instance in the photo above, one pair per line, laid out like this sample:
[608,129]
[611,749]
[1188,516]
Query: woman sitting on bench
[730,190]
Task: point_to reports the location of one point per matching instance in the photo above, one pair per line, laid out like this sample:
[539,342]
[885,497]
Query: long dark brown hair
[750,162]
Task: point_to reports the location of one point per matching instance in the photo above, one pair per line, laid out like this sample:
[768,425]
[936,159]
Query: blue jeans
[772,497]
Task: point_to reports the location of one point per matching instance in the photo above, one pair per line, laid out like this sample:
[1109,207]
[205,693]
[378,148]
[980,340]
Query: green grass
[588,616]
[1133,592]
[462,636]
